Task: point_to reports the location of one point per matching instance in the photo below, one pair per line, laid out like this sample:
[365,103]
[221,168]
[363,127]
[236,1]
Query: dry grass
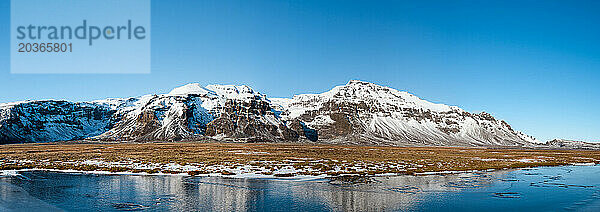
[385,159]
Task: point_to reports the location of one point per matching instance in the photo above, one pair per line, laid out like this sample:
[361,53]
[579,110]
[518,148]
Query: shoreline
[273,177]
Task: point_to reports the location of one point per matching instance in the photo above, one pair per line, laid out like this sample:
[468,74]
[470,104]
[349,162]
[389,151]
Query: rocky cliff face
[192,113]
[366,113]
[355,113]
[40,121]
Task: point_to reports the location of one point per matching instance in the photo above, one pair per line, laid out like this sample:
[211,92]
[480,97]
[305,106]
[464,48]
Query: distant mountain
[570,144]
[355,113]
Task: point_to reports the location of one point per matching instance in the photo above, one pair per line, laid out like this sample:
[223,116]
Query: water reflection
[400,193]
[557,188]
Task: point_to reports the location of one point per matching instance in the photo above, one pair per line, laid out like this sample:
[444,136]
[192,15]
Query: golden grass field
[329,159]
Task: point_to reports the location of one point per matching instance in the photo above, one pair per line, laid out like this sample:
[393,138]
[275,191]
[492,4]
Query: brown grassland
[402,160]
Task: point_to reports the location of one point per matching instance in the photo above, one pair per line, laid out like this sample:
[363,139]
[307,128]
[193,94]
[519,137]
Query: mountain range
[358,112]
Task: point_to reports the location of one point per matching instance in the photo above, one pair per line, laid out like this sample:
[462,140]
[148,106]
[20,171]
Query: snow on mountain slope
[192,88]
[355,113]
[361,112]
[187,112]
[193,112]
[238,92]
[49,120]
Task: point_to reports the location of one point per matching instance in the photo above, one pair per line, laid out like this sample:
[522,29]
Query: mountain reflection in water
[546,188]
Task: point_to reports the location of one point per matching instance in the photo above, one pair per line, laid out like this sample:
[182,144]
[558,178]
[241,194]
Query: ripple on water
[128,206]
[407,189]
[349,180]
[561,185]
[475,181]
[507,195]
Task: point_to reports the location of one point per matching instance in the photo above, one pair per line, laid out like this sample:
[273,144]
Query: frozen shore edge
[266,177]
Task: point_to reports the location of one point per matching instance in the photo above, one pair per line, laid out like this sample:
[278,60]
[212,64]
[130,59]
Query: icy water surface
[570,188]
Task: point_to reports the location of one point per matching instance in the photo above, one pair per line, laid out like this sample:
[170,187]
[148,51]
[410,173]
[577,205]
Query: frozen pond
[567,188]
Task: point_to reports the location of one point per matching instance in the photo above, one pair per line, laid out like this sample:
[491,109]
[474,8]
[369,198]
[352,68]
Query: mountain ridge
[572,144]
[355,113]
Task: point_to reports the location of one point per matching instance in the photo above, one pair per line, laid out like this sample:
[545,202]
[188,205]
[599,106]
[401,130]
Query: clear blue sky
[535,64]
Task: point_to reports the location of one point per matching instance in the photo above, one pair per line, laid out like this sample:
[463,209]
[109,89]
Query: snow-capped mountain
[355,113]
[192,112]
[41,121]
[366,113]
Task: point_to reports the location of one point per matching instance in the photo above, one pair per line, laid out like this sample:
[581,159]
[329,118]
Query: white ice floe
[9,173]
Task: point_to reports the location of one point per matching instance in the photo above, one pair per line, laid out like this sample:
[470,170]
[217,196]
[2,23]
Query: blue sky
[535,64]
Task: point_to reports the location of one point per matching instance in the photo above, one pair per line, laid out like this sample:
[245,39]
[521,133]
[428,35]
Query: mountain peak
[361,90]
[192,88]
[227,91]
[358,82]
[365,85]
[234,91]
